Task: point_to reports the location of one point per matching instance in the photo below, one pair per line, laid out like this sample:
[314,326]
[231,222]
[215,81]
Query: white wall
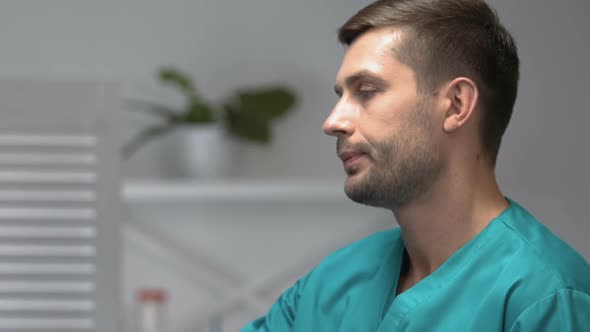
[545,157]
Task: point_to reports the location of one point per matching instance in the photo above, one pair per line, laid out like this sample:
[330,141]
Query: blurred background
[209,251]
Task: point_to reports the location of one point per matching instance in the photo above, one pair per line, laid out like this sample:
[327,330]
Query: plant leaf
[198,112]
[254,127]
[177,78]
[142,138]
[270,103]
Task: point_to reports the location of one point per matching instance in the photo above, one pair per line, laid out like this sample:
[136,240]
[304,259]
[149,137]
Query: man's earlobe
[450,126]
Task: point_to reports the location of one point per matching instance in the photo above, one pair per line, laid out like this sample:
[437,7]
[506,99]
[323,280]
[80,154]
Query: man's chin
[362,188]
[355,187]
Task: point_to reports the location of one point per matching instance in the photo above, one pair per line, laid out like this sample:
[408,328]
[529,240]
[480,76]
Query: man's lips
[350,158]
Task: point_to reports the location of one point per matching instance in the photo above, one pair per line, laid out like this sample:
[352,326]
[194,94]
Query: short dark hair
[444,39]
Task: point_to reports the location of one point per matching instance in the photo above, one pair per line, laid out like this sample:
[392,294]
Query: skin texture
[416,154]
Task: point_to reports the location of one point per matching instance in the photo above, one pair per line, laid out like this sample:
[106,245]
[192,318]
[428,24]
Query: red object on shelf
[151,295]
[151,307]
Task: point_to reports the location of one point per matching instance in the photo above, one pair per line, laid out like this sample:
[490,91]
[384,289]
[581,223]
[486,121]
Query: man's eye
[366,93]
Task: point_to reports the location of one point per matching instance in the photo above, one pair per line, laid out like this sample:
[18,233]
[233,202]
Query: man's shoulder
[542,256]
[535,264]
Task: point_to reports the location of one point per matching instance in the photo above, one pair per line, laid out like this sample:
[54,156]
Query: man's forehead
[369,53]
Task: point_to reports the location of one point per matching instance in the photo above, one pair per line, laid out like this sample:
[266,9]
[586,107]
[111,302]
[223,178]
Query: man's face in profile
[385,129]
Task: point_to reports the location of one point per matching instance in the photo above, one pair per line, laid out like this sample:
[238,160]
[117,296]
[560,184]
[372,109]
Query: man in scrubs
[426,90]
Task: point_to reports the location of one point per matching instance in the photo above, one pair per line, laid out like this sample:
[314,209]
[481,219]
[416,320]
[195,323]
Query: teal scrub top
[515,275]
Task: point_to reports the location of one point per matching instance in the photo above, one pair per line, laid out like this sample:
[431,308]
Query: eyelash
[366,93]
[362,94]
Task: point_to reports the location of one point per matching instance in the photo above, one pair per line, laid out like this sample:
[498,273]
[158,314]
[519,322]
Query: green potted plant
[206,130]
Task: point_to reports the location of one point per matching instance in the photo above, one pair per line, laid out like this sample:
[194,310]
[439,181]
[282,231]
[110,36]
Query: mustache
[362,147]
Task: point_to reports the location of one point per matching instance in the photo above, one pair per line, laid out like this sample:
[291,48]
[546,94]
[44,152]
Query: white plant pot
[200,151]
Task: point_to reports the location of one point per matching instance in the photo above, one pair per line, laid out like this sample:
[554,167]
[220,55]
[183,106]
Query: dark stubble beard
[401,169]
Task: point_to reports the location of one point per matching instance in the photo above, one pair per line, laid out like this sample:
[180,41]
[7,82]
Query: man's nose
[340,122]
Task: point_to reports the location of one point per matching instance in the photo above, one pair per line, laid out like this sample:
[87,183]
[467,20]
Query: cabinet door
[59,206]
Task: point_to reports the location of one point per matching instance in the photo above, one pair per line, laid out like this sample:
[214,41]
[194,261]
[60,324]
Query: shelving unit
[138,192]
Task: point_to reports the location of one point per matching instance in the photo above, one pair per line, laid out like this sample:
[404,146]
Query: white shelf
[162,191]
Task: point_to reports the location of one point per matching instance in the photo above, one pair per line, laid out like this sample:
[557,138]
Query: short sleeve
[565,311]
[281,316]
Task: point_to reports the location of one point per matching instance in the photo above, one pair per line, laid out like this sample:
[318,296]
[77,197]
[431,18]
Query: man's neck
[442,221]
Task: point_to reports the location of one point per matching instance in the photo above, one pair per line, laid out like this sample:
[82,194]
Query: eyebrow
[363,75]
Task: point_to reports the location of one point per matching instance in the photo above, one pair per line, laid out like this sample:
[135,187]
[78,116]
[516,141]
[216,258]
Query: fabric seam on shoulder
[538,253]
[544,299]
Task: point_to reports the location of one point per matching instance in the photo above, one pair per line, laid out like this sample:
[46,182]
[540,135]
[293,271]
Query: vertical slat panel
[52,178]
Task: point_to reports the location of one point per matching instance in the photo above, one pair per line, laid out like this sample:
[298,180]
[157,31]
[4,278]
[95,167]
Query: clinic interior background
[544,159]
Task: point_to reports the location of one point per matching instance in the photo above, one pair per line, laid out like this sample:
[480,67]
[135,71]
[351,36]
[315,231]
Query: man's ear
[461,96]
